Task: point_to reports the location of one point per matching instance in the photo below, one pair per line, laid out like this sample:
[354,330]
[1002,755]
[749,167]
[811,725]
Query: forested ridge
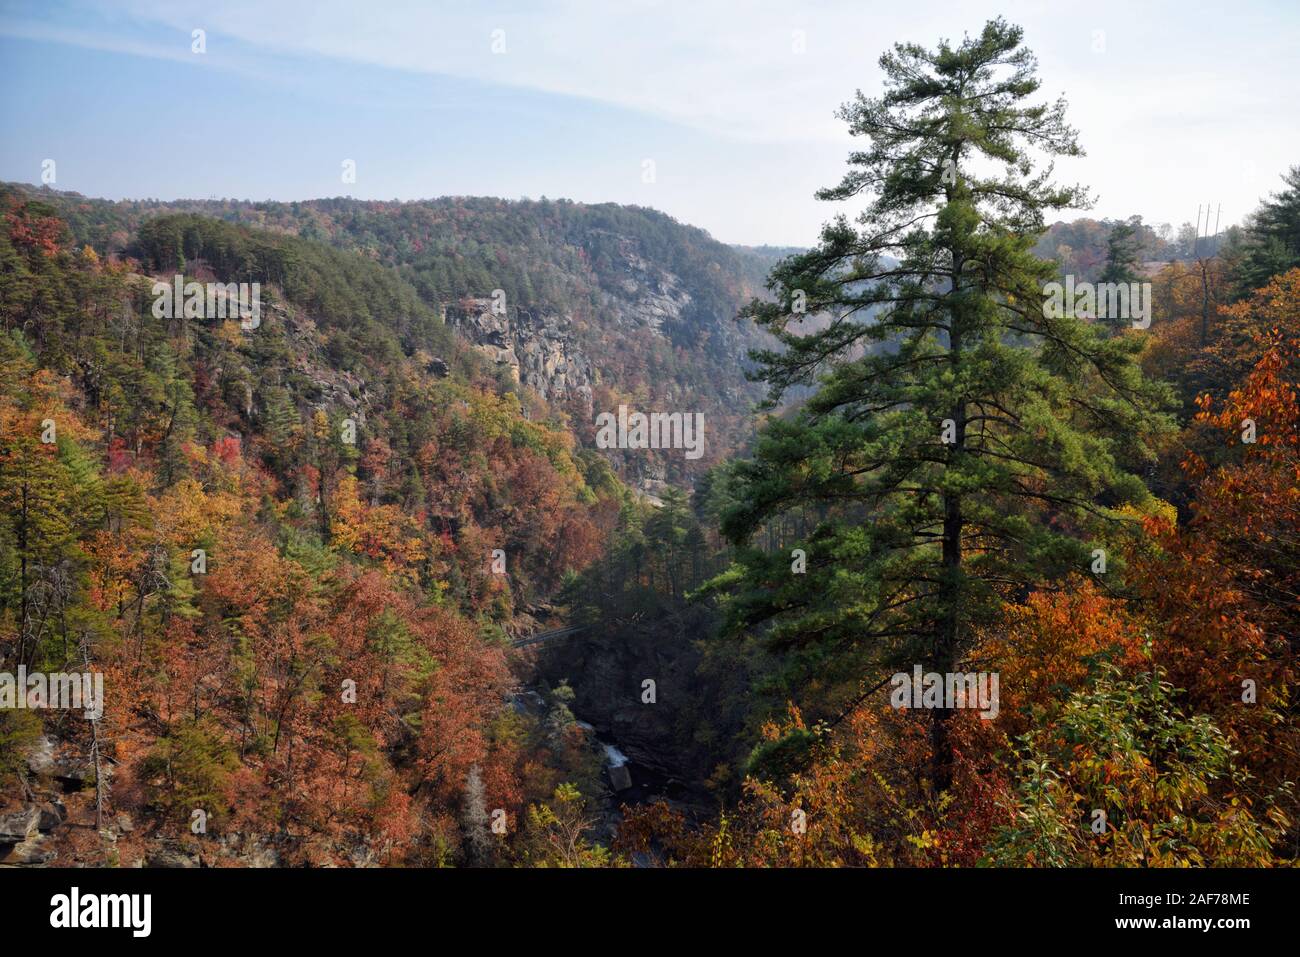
[299,552]
[651,301]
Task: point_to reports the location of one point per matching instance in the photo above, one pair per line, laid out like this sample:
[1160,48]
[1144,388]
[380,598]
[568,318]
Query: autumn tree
[1225,583]
[557,833]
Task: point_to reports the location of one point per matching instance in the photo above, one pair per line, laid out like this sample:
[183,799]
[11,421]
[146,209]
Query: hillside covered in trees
[243,528]
[632,306]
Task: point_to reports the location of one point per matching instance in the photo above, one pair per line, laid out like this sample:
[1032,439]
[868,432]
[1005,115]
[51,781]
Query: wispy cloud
[759,74]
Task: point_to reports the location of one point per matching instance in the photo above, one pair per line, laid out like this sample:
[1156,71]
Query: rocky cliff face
[637,335]
[648,296]
[561,356]
[537,347]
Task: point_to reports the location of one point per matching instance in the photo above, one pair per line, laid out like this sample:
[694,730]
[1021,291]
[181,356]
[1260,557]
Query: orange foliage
[1042,649]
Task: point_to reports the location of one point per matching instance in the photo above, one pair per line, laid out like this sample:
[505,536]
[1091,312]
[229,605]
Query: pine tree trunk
[945,648]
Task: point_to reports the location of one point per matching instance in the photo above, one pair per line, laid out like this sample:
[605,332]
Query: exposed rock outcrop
[24,833]
[537,347]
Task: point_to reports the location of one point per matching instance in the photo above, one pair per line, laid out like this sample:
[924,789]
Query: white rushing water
[615,757]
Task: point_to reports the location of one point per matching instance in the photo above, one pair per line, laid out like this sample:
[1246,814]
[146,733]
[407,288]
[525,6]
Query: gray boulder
[19,825]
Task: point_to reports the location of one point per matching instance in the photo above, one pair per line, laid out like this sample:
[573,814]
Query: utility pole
[1205,267]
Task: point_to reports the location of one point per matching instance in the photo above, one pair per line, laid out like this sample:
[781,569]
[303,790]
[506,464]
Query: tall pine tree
[1121,262]
[1122,249]
[961,447]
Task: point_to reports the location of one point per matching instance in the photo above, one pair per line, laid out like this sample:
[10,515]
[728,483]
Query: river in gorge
[626,782]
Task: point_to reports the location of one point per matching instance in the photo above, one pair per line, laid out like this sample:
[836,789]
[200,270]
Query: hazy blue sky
[1177,103]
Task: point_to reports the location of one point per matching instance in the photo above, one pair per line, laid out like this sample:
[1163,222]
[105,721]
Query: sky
[721,114]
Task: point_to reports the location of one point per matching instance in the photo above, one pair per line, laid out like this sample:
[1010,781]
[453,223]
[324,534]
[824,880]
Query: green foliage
[1271,245]
[189,769]
[19,731]
[361,305]
[1122,248]
[782,757]
[556,833]
[1168,784]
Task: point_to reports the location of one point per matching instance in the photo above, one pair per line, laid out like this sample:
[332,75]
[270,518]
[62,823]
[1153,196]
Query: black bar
[944,906]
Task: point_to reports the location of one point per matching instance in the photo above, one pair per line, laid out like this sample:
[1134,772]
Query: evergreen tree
[1122,253]
[960,441]
[1272,244]
[280,418]
[1121,262]
[37,533]
[665,531]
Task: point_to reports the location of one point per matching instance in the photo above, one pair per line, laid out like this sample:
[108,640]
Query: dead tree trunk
[94,747]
